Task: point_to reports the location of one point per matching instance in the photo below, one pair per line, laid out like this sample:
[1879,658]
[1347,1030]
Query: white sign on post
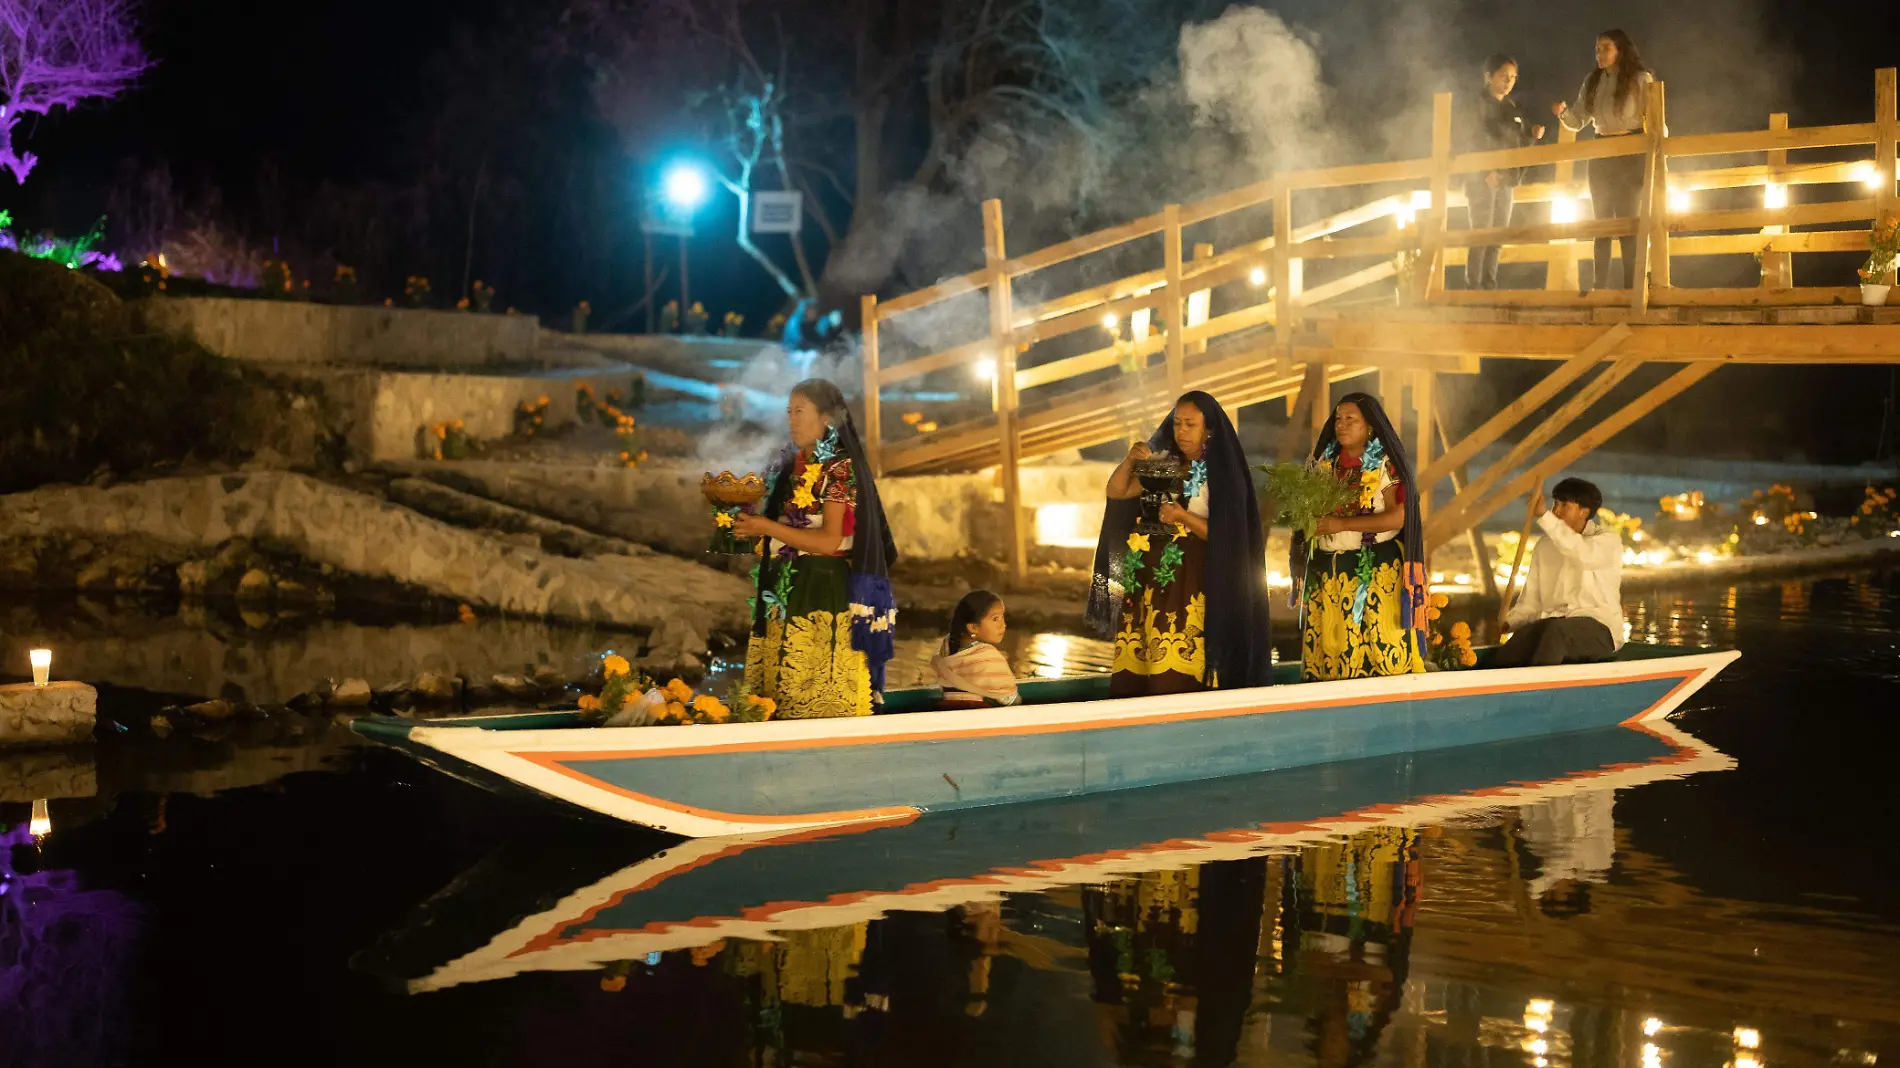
[777,213]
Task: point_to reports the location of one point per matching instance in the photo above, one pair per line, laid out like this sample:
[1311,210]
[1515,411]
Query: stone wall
[364,535]
[294,332]
[379,412]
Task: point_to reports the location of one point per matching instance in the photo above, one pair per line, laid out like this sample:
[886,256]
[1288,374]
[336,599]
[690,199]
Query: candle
[41,824]
[42,665]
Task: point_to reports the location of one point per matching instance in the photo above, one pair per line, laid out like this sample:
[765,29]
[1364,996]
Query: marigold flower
[1439,600]
[615,665]
[723,519]
[678,692]
[1461,631]
[589,702]
[1468,658]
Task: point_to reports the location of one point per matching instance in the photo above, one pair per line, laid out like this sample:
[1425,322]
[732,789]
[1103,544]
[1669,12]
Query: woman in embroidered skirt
[823,614]
[1364,588]
[1188,609]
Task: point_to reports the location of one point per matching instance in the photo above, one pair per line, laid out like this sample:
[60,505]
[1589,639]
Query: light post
[684,187]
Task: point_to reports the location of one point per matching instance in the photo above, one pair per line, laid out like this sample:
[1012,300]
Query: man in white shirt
[1571,610]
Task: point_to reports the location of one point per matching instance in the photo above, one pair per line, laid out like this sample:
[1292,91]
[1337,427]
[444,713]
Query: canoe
[1068,739]
[578,905]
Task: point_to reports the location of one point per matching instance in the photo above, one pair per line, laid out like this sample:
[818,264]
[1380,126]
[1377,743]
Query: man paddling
[1571,610]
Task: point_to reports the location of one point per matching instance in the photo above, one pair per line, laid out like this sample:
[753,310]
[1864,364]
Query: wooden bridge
[1378,303]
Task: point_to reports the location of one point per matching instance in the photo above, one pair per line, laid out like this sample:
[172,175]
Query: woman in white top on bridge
[1611,101]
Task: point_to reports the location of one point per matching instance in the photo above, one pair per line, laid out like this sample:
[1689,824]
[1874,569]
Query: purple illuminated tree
[58,53]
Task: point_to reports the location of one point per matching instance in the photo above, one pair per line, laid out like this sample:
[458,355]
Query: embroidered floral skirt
[1160,646]
[1335,645]
[804,661]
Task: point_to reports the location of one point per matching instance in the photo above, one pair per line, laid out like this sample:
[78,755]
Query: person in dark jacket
[1498,123]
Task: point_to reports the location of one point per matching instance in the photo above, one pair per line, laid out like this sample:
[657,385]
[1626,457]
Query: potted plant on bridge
[1876,278]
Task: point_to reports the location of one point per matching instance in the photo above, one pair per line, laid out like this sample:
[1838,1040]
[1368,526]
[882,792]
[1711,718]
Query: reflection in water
[1573,902]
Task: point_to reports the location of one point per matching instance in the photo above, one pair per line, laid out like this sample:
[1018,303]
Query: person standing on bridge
[823,617]
[1188,610]
[1611,101]
[1364,588]
[1497,123]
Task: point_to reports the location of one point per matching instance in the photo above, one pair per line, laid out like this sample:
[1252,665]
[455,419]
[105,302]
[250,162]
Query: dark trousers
[1489,207]
[1569,640]
[1616,188]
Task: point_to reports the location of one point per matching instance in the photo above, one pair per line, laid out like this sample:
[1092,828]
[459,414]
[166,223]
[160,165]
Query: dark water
[292,899]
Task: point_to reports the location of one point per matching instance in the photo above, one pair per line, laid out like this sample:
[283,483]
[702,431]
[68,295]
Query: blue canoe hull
[783,776]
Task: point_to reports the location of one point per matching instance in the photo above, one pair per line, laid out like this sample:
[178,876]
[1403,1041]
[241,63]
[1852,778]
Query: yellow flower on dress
[615,665]
[1138,542]
[723,519]
[1180,530]
[802,497]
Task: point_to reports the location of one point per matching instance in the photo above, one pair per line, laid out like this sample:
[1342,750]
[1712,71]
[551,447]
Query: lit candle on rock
[42,660]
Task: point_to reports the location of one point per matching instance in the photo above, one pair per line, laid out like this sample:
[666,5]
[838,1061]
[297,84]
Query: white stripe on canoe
[496,750]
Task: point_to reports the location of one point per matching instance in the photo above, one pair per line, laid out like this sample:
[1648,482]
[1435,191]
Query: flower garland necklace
[1372,464]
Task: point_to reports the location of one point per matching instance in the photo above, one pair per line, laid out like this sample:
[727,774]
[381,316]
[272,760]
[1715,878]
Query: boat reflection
[1152,869]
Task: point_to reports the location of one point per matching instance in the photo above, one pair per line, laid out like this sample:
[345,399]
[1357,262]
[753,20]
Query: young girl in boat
[1364,589]
[1188,609]
[823,613]
[973,671]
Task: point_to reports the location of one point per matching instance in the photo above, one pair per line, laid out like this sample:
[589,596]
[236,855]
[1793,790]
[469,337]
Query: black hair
[975,605]
[1496,60]
[1629,63]
[1577,491]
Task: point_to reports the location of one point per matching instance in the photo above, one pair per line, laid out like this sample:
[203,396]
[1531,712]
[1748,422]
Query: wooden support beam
[1650,260]
[1777,268]
[1886,130]
[1002,336]
[1200,303]
[1283,266]
[1174,306]
[1591,439]
[1536,397]
[1561,276]
[1480,556]
[1456,513]
[1760,343]
[1435,222]
[1389,384]
[1424,409]
[1299,433]
[873,406]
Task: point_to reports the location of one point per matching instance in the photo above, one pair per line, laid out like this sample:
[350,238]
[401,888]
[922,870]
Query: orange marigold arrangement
[1451,650]
[630,699]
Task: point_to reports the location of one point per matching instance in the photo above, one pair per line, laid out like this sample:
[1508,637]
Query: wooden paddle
[1523,539]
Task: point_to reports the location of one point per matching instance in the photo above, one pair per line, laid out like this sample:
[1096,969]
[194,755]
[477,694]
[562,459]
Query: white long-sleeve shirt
[1574,574]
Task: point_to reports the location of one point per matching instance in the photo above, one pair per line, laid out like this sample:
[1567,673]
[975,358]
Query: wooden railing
[1250,346]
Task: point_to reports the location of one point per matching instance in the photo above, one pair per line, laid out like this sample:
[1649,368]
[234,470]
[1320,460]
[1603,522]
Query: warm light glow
[1111,321]
[1462,579]
[986,370]
[1563,210]
[42,822]
[1540,1007]
[1705,557]
[1540,1047]
[1138,323]
[1537,1024]
[1679,200]
[1774,196]
[1257,276]
[1540,1062]
[1064,525]
[1868,175]
[1747,1060]
[42,661]
[1748,1038]
[1652,1025]
[1439,576]
[1279,579]
[1652,1055]
[1421,199]
[1761,520]
[1404,217]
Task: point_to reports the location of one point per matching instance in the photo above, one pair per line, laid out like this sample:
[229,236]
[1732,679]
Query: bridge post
[1886,127]
[1561,275]
[1777,268]
[873,401]
[1648,258]
[1177,301]
[1437,217]
[1286,307]
[1003,339]
[1200,303]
